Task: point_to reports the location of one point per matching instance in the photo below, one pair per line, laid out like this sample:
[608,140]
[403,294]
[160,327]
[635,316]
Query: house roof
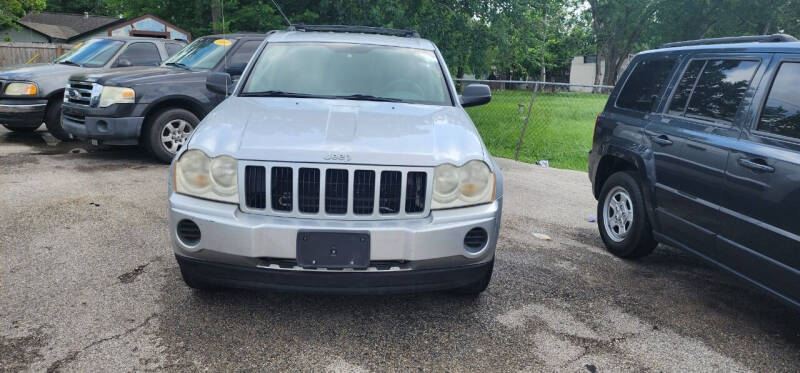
[65,26]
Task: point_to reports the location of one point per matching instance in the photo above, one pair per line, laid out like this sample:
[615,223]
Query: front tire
[21,129]
[52,119]
[167,131]
[622,217]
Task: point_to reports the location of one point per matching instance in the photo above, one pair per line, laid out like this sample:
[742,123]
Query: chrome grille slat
[84,91]
[337,191]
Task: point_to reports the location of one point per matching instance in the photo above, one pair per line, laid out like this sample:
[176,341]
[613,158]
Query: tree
[11,10]
[619,25]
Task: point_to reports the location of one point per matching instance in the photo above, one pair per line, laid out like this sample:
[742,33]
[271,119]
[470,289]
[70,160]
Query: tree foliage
[510,39]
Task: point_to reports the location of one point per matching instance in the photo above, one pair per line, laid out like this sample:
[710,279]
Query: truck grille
[334,191]
[79,93]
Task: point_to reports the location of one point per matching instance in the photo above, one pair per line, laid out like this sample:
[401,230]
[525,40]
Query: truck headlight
[470,184]
[116,95]
[211,178]
[21,89]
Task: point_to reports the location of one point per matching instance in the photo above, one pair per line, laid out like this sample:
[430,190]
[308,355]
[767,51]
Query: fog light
[188,232]
[475,240]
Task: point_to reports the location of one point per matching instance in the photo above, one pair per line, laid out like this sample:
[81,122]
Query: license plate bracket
[335,250]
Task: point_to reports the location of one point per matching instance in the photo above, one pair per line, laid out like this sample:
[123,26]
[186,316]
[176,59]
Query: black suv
[157,106]
[699,148]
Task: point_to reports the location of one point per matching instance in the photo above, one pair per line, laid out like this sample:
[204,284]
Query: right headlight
[216,178]
[116,95]
[470,184]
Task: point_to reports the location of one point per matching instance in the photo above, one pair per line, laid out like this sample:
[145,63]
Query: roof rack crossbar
[355,29]
[774,38]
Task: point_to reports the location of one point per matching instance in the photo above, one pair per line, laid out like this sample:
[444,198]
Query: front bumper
[119,124]
[235,276]
[249,241]
[22,112]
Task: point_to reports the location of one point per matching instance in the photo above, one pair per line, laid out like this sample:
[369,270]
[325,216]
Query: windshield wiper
[70,63]
[368,98]
[280,94]
[178,64]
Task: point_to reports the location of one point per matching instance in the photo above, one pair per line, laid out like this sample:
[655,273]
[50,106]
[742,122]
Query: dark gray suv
[699,148]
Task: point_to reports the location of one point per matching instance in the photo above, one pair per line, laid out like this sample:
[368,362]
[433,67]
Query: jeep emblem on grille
[337,157]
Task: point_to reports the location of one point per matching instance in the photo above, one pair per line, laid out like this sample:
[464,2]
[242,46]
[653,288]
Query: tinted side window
[243,54]
[720,89]
[173,48]
[781,113]
[141,54]
[644,84]
[678,104]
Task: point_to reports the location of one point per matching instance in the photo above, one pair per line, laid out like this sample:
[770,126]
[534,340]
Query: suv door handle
[757,164]
[662,140]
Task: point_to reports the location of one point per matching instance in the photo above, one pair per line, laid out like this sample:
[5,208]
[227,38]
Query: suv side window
[781,113]
[141,54]
[173,48]
[713,89]
[644,84]
[243,54]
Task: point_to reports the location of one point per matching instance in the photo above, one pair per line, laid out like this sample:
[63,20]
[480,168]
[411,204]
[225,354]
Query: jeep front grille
[79,93]
[334,191]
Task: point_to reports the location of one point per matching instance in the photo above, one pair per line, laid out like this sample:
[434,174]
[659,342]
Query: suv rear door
[691,139]
[761,237]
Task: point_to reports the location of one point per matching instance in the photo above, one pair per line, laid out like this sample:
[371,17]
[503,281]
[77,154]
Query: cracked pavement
[88,283]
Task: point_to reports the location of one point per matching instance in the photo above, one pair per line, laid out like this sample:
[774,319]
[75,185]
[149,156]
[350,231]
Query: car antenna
[281,12]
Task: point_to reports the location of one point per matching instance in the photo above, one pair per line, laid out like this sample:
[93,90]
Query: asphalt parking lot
[88,283]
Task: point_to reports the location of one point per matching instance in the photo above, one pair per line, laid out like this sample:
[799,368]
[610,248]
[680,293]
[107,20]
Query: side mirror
[475,94]
[219,83]
[124,63]
[236,70]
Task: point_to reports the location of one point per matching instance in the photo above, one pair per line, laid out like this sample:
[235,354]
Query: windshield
[203,53]
[93,53]
[349,71]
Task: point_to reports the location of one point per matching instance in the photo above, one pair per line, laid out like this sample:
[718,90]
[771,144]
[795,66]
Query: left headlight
[116,95]
[21,89]
[470,184]
[211,178]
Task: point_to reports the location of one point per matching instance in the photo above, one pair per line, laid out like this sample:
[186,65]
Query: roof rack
[355,29]
[774,38]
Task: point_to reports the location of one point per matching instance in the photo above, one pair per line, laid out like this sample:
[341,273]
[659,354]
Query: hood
[130,76]
[317,130]
[39,71]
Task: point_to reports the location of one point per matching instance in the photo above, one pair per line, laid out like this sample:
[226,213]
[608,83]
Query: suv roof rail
[355,29]
[774,38]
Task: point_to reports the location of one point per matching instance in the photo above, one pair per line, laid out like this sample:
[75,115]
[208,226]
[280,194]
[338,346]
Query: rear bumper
[22,112]
[337,282]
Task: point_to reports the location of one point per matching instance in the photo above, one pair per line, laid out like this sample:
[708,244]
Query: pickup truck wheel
[622,217]
[24,129]
[477,287]
[167,131]
[52,120]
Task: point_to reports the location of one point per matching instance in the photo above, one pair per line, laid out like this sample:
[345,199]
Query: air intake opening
[188,232]
[476,240]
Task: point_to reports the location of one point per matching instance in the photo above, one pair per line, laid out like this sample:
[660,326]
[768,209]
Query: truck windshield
[93,53]
[348,71]
[202,54]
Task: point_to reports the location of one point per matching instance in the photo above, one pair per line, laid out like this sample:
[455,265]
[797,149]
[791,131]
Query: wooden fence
[24,53]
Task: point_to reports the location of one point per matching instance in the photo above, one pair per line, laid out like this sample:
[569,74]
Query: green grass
[560,128]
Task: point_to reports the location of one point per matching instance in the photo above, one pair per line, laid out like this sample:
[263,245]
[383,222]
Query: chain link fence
[549,123]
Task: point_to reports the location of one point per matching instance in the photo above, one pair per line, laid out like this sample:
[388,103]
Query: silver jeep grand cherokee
[343,162]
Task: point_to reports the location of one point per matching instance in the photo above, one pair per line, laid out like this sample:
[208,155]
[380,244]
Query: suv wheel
[167,131]
[52,120]
[622,219]
[14,128]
